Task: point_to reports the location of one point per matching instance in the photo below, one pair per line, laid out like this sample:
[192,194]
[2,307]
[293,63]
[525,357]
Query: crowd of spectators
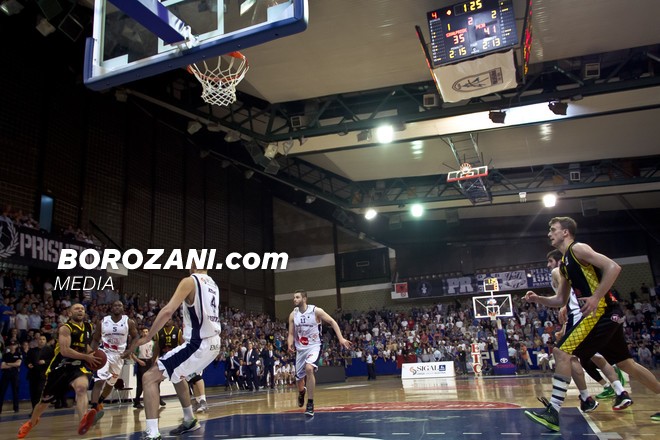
[30,308]
[21,219]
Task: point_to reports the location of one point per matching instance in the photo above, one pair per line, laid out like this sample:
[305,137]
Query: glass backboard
[124,49]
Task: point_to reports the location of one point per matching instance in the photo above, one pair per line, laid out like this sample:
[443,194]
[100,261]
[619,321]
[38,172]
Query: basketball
[99,354]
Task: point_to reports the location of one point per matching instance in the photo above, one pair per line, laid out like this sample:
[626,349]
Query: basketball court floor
[462,408]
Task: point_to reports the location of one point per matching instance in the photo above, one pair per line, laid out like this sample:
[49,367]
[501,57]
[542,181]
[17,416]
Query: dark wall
[477,244]
[123,167]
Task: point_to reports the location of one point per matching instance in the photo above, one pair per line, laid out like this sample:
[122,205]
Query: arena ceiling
[360,63]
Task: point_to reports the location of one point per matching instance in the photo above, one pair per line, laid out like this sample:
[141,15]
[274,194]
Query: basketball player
[113,331]
[167,338]
[195,380]
[200,298]
[569,316]
[143,357]
[305,328]
[591,275]
[66,369]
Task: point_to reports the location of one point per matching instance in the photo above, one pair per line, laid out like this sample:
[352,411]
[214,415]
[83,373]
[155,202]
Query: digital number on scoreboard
[472,28]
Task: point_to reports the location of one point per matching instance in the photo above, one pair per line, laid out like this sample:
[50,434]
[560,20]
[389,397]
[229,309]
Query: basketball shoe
[607,393]
[99,413]
[548,418]
[202,407]
[189,426]
[301,397]
[26,427]
[309,411]
[655,417]
[622,401]
[87,421]
[588,405]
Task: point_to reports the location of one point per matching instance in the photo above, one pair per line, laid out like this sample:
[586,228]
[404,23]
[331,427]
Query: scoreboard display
[470,29]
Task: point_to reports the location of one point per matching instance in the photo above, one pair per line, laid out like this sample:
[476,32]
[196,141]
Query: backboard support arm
[154,16]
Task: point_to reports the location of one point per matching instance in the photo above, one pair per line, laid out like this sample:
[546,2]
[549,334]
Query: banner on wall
[34,248]
[400,291]
[473,284]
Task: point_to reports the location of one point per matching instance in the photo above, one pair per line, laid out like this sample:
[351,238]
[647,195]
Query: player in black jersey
[600,330]
[67,369]
[167,338]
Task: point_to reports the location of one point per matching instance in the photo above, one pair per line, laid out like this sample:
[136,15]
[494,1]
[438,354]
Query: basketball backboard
[125,47]
[492,306]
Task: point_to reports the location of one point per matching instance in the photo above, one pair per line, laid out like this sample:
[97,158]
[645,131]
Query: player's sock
[188,414]
[618,388]
[152,427]
[559,388]
[584,394]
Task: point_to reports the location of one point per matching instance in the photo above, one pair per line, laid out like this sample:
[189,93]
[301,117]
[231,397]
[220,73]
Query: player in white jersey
[200,297]
[569,316]
[113,332]
[305,329]
[195,380]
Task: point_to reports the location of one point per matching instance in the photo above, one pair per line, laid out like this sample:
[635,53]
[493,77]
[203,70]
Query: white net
[220,76]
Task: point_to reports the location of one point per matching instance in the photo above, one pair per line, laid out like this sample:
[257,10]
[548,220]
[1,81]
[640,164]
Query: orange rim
[226,79]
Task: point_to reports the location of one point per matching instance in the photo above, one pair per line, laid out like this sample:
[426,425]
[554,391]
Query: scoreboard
[470,29]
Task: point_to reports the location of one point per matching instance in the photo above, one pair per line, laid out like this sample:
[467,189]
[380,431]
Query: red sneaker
[25,429]
[87,421]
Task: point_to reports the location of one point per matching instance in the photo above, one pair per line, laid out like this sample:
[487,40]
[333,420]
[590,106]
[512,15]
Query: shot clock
[470,29]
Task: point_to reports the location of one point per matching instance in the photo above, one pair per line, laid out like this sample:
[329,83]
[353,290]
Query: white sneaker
[202,407]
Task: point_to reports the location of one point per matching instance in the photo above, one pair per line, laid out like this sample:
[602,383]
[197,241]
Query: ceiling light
[194,127]
[11,7]
[385,134]
[214,127]
[271,151]
[309,199]
[497,117]
[416,210]
[44,27]
[549,200]
[232,136]
[249,174]
[370,214]
[558,107]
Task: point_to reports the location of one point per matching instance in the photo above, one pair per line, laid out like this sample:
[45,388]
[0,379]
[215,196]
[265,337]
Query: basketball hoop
[220,76]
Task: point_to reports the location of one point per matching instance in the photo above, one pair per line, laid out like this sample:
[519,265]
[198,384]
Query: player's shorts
[111,371]
[188,358]
[306,356]
[58,381]
[602,334]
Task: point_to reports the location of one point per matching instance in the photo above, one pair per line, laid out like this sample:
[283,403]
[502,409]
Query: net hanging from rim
[219,77]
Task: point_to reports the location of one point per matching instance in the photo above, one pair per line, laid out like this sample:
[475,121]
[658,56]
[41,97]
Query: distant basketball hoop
[220,76]
[467,171]
[492,306]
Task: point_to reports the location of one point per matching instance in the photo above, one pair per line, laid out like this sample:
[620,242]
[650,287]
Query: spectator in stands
[10,365]
[6,311]
[22,323]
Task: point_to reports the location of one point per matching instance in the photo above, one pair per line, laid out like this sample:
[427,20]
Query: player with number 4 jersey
[199,298]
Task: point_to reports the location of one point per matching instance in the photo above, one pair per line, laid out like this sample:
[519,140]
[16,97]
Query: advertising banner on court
[421,370]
